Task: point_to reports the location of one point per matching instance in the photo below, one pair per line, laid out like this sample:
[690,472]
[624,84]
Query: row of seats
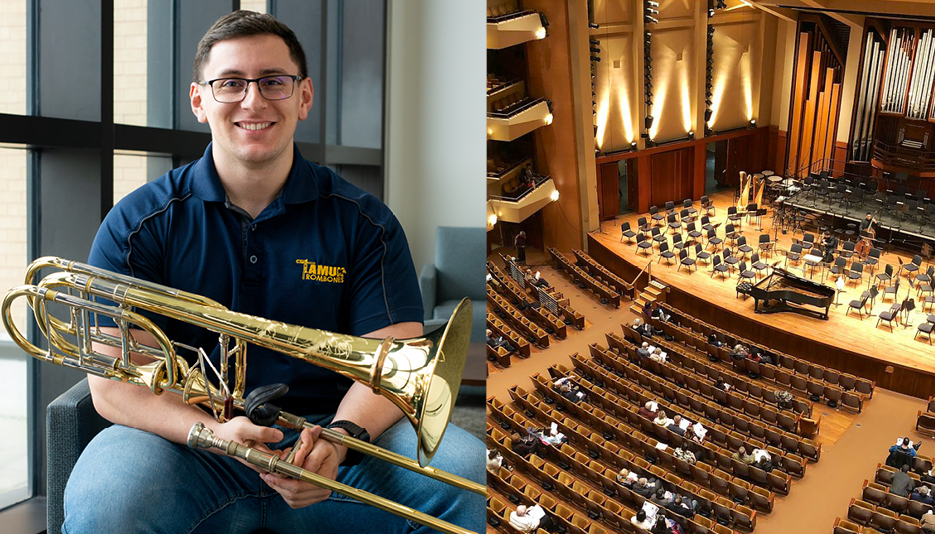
[500,328]
[833,377]
[598,270]
[601,470]
[717,435]
[569,315]
[796,383]
[602,499]
[509,103]
[503,8]
[925,420]
[529,329]
[746,395]
[510,290]
[604,292]
[720,409]
[646,454]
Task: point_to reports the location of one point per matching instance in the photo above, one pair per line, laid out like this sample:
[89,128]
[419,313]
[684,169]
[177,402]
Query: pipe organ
[893,124]
[815,102]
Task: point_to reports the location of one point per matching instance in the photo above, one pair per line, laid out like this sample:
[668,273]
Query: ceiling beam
[780,12]
[856,22]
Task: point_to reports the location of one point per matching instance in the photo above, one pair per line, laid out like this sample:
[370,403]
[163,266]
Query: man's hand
[241,430]
[312,454]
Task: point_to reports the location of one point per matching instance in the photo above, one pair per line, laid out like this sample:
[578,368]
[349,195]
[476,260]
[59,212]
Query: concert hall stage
[894,360]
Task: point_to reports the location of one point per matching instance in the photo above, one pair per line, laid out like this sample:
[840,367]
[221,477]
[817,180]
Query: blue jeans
[127,480]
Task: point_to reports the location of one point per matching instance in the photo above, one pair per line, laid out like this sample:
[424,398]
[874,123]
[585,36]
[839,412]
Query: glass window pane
[14,469]
[130,62]
[361,76]
[13,56]
[133,169]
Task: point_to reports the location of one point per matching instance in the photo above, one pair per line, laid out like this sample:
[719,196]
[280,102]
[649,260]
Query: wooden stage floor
[847,332]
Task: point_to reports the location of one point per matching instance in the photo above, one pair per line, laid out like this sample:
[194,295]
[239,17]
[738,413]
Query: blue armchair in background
[458,272]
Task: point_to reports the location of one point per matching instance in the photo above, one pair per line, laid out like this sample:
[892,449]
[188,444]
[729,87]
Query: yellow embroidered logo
[321,273]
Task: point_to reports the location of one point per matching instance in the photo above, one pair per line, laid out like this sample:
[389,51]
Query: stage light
[554,195]
[650,143]
[540,33]
[651,3]
[594,26]
[707,115]
[710,13]
[721,4]
[633,145]
[652,11]
[710,61]
[648,121]
[650,20]
[595,59]
[753,123]
[647,36]
[644,136]
[691,135]
[708,102]
[710,30]
[492,220]
[595,50]
[594,41]
[548,119]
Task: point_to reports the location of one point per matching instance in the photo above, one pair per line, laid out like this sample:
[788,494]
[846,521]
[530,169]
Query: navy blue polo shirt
[324,254]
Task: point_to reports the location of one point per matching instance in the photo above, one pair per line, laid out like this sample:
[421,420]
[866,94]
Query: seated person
[661,419]
[494,460]
[765,463]
[641,521]
[740,352]
[664,525]
[923,495]
[526,445]
[540,281]
[684,455]
[698,433]
[676,425]
[498,341]
[783,399]
[522,520]
[683,506]
[646,411]
[644,487]
[643,328]
[657,355]
[661,497]
[713,340]
[929,476]
[902,453]
[644,350]
[928,522]
[902,483]
[571,392]
[721,384]
[742,456]
[626,477]
[554,437]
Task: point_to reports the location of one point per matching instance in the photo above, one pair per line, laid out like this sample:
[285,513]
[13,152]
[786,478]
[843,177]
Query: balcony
[505,172]
[507,28]
[511,113]
[519,208]
[904,157]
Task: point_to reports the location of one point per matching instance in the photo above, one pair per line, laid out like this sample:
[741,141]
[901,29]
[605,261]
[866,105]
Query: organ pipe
[872,75]
[920,91]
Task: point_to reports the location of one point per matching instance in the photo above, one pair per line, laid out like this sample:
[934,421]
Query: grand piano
[783,291]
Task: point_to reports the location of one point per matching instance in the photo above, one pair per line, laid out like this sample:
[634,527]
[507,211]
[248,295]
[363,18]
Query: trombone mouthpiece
[199,437]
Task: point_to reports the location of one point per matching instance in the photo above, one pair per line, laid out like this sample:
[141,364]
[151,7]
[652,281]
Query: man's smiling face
[256,131]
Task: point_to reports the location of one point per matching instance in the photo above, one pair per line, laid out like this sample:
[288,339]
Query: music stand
[838,283]
[909,304]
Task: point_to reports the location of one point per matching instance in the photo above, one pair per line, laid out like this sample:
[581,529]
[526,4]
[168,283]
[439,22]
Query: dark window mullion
[107,106]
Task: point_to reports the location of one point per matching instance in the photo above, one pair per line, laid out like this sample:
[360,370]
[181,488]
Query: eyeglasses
[232,90]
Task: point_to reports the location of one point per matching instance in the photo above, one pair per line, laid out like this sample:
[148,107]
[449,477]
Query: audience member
[902,453]
[928,522]
[783,399]
[523,520]
[657,355]
[494,460]
[923,495]
[713,340]
[698,433]
[742,456]
[685,455]
[676,425]
[643,487]
[721,384]
[498,341]
[626,477]
[902,483]
[641,521]
[646,411]
[526,445]
[661,419]
[682,507]
[929,476]
[644,350]
[740,352]
[643,328]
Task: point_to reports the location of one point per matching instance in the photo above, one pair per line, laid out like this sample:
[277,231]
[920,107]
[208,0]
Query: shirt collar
[301,185]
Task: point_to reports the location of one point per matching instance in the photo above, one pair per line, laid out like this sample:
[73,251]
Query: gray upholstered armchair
[458,272]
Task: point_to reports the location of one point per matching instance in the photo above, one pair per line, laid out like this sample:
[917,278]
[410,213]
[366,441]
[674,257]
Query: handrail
[538,182]
[648,270]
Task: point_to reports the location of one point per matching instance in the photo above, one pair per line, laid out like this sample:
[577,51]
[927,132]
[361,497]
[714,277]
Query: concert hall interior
[724,210]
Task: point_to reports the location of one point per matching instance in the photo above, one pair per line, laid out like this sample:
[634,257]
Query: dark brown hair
[244,23]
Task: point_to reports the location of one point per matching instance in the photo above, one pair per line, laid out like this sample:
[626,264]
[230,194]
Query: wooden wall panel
[608,195]
[798,98]
[672,175]
[832,128]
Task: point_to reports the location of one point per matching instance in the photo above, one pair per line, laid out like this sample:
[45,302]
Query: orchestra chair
[731,260]
[856,273]
[694,235]
[687,204]
[886,276]
[794,255]
[643,244]
[889,315]
[847,250]
[626,233]
[670,207]
[758,266]
[873,258]
[812,265]
[733,216]
[707,205]
[713,239]
[643,225]
[746,274]
[685,260]
[926,328]
[913,267]
[924,280]
[657,217]
[701,255]
[839,267]
[859,304]
[718,267]
[743,247]
[665,253]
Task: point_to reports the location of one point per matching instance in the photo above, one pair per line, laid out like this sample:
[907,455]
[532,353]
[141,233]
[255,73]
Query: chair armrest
[71,423]
[427,284]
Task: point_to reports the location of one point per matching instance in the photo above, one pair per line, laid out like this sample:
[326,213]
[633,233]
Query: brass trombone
[421,376]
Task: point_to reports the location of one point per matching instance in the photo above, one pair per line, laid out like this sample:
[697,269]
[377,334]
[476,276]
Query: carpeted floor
[828,486]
